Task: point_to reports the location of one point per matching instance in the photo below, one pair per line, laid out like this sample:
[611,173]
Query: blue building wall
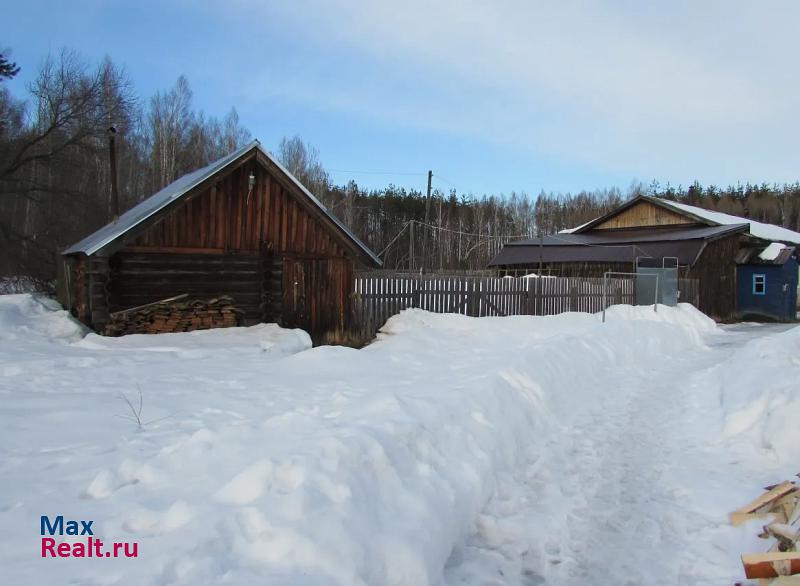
[779,299]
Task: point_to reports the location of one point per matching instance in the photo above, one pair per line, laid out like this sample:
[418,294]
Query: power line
[377,172]
[489,237]
[450,183]
[478,234]
[403,229]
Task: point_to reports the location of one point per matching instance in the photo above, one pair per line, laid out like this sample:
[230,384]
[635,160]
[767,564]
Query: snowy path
[614,497]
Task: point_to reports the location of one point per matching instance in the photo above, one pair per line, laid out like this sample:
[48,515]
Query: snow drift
[760,395]
[297,466]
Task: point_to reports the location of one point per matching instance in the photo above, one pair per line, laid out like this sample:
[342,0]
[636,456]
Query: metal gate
[657,281]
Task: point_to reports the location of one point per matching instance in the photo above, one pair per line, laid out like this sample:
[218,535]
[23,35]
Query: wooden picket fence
[379,296]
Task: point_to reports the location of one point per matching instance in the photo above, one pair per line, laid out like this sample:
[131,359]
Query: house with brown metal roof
[707,246]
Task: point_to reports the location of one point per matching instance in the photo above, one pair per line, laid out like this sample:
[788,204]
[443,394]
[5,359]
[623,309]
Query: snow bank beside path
[328,466]
[684,315]
[26,319]
[760,396]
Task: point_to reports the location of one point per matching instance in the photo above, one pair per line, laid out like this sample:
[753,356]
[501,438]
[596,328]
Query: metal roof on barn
[617,246]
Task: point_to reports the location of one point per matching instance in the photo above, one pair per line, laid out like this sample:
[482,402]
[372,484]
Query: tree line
[464,231]
[55,180]
[55,184]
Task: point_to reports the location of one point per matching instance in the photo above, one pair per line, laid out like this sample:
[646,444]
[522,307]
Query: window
[759,284]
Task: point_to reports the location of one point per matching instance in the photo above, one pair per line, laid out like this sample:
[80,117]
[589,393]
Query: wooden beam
[786,535]
[772,564]
[174,249]
[167,300]
[759,506]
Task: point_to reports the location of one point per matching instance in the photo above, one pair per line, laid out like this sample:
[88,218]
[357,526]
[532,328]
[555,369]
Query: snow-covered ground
[454,450]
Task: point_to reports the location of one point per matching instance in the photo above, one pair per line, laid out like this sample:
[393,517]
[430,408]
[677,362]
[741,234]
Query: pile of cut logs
[176,314]
[780,507]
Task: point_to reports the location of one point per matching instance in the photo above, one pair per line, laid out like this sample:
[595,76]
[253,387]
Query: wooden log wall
[272,288]
[141,278]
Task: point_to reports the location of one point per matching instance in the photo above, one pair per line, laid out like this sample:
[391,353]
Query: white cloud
[681,90]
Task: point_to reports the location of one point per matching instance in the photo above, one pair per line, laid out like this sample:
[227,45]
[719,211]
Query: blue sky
[494,97]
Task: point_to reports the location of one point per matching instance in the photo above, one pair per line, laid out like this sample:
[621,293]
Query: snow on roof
[575,229]
[757,229]
[772,251]
[145,209]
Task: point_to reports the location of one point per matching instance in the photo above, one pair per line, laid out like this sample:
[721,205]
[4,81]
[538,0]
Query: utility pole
[112,160]
[411,247]
[426,229]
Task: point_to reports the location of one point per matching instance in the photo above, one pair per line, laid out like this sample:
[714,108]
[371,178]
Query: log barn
[709,246]
[243,227]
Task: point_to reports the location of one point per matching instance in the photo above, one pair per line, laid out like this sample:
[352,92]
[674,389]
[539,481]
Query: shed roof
[686,252]
[615,245]
[108,234]
[774,254]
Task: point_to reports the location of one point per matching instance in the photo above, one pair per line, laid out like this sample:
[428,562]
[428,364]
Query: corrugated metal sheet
[685,250]
[177,189]
[633,236]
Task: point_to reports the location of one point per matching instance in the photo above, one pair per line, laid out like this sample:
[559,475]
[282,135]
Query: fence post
[655,305]
[605,280]
[530,300]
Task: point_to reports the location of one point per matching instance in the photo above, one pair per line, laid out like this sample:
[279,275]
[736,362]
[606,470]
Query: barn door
[296,293]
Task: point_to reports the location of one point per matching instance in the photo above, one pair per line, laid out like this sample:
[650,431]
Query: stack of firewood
[780,507]
[176,314]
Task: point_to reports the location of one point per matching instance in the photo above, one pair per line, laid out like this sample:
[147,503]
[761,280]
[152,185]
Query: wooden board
[771,565]
[644,213]
[758,506]
[222,217]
